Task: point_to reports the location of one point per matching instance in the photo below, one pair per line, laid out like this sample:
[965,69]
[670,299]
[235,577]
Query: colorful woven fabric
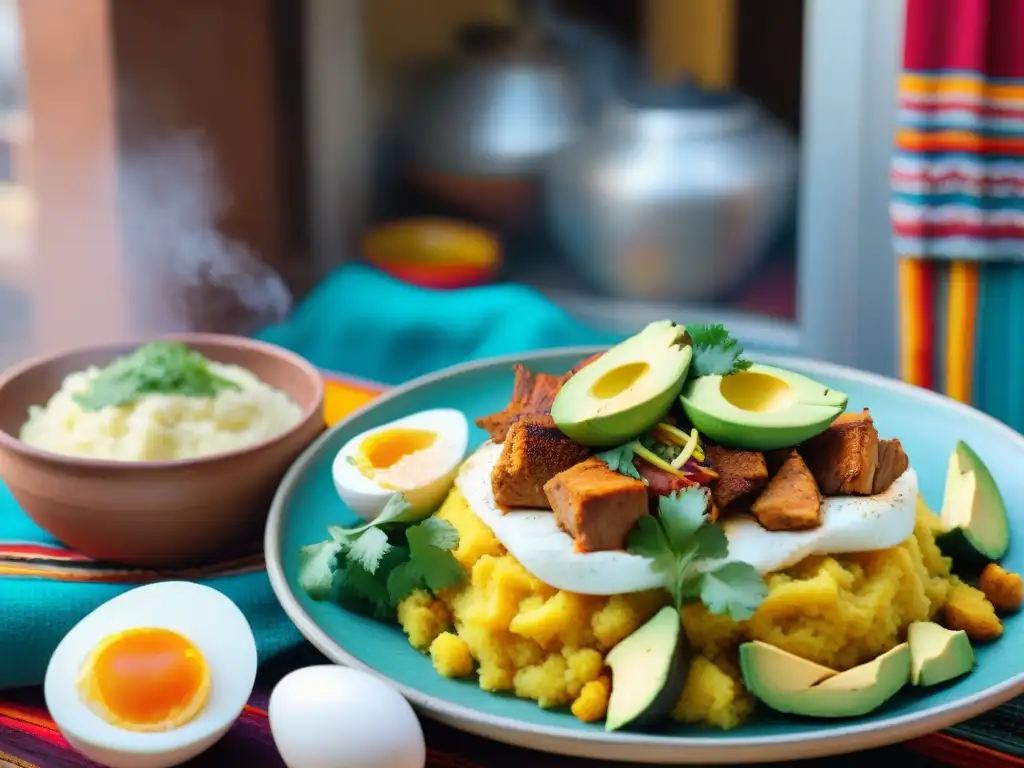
[958,172]
[958,202]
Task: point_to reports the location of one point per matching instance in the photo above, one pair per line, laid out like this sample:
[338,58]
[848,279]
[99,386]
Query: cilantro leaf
[159,367]
[354,581]
[648,539]
[317,563]
[430,543]
[678,539]
[711,542]
[403,581]
[715,352]
[620,460]
[356,588]
[395,511]
[431,564]
[368,549]
[734,589]
[682,515]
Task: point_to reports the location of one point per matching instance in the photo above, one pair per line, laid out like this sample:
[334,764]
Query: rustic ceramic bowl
[155,513]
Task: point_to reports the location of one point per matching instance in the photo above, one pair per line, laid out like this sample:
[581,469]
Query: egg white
[366,497]
[849,524]
[209,619]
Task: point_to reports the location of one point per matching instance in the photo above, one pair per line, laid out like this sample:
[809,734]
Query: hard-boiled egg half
[152,677]
[416,456]
[848,524]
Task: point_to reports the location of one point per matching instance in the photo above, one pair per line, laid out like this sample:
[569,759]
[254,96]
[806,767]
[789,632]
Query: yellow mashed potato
[160,427]
[522,636]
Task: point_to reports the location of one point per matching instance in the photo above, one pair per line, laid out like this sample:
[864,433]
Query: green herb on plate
[378,564]
[156,368]
[620,460]
[678,538]
[715,352]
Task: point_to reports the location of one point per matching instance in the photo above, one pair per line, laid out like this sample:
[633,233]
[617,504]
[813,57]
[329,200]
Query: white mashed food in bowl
[161,427]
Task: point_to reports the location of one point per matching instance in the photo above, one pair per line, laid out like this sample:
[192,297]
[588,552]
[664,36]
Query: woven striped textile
[958,202]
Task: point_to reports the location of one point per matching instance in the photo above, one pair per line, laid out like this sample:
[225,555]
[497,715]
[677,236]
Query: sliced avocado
[627,390]
[786,683]
[974,519]
[761,408]
[774,669]
[648,672]
[938,654]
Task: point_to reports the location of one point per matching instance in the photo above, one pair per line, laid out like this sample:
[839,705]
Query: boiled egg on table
[848,524]
[334,717]
[416,456]
[152,677]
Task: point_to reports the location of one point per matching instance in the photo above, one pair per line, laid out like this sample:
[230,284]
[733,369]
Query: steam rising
[188,276]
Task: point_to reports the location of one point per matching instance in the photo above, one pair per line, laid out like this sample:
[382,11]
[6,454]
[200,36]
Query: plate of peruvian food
[664,552]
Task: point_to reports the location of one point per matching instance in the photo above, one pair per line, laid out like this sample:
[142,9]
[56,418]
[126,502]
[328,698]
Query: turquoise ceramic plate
[927,424]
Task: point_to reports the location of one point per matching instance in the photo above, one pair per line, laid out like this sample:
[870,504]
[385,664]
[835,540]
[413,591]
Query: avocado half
[648,672]
[974,519]
[937,654]
[792,685]
[761,408]
[627,390]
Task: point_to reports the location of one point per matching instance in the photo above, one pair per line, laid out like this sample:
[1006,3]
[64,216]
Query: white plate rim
[620,746]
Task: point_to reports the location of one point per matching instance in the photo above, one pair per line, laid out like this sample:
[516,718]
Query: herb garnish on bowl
[155,368]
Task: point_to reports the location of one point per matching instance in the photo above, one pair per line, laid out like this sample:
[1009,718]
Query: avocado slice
[648,672]
[788,684]
[761,408]
[627,390]
[938,654]
[976,527]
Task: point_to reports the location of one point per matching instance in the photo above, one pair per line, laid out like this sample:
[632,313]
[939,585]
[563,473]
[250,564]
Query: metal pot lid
[683,107]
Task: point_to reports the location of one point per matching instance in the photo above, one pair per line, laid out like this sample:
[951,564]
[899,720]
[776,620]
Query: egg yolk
[146,679]
[386,448]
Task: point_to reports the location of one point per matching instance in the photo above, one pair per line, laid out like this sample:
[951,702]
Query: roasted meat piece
[596,505]
[844,457]
[534,452]
[791,501]
[892,462]
[660,482]
[741,476]
[532,393]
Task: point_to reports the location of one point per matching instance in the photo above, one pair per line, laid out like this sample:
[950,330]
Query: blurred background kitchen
[201,164]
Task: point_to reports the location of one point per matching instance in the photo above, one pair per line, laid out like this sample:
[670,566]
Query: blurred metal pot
[675,195]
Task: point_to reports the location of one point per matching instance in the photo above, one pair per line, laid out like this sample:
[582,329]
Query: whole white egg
[328,716]
[416,456]
[153,677]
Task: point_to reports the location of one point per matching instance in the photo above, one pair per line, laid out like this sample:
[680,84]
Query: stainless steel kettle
[519,94]
[674,195]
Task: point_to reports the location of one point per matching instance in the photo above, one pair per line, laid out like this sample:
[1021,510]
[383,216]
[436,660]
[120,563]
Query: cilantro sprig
[376,565]
[159,367]
[678,539]
[620,459]
[715,352]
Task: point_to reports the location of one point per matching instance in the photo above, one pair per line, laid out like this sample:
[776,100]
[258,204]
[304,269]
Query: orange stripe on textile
[917,321]
[960,333]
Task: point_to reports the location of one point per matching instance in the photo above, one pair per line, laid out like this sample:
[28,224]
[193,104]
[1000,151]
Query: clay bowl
[154,514]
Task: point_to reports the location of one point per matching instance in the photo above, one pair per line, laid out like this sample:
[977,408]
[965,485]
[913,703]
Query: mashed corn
[548,645]
[161,427]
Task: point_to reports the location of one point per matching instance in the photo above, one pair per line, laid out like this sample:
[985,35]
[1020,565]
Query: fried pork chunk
[741,476]
[534,452]
[791,501]
[848,457]
[595,505]
[532,394]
